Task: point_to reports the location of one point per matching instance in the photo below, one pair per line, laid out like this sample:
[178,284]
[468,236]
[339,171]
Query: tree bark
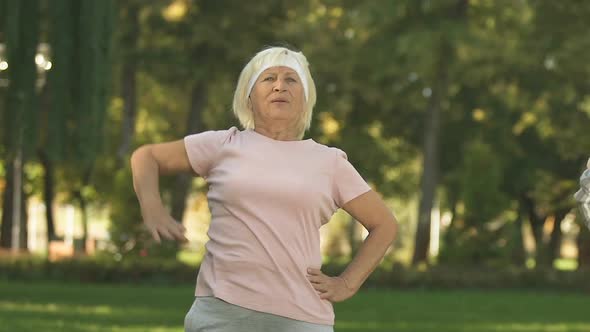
[536,221]
[194,124]
[353,238]
[583,247]
[554,248]
[431,155]
[129,82]
[84,210]
[6,232]
[48,193]
[518,253]
[24,217]
[83,204]
[19,120]
[6,228]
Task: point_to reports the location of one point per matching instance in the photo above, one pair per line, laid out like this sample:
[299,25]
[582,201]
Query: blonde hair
[276,56]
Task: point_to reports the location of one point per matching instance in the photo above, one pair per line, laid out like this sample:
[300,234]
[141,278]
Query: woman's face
[278,97]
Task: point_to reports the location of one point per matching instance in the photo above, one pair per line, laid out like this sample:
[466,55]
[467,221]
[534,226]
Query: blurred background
[470,117]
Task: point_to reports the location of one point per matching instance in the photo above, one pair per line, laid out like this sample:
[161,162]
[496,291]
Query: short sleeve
[203,148]
[347,183]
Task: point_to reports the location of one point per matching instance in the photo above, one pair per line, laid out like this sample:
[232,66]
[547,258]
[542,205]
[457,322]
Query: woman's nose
[279,85]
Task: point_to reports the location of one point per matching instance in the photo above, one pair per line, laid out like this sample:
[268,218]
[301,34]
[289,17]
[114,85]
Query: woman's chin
[280,107]
[281,112]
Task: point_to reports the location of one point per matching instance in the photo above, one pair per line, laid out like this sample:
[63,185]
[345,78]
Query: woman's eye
[291,79]
[268,78]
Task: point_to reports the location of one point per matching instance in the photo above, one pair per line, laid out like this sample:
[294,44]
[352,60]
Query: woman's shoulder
[329,151]
[215,136]
[229,134]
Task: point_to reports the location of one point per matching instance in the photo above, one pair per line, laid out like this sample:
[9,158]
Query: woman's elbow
[388,228]
[139,154]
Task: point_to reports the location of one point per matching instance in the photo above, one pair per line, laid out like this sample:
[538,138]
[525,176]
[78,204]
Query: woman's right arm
[148,162]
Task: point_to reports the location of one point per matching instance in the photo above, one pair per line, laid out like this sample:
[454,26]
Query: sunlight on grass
[132,308]
[519,327]
[52,307]
[566,264]
[459,327]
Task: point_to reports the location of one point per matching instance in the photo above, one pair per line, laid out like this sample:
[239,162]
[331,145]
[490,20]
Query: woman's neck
[279,133]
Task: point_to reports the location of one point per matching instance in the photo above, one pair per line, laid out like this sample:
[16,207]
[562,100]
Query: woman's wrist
[347,283]
[152,206]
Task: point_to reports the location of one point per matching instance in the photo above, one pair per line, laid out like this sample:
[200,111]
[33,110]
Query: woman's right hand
[148,162]
[161,225]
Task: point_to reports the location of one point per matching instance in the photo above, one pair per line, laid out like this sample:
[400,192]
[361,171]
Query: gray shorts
[214,315]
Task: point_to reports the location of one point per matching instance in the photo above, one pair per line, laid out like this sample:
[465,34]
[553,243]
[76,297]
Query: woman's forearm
[369,255]
[145,177]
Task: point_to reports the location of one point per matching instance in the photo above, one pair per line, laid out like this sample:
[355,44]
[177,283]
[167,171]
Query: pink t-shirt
[268,199]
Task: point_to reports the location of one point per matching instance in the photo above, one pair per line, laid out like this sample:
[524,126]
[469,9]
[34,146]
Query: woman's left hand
[333,289]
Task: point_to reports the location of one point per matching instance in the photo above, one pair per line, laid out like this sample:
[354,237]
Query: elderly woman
[269,193]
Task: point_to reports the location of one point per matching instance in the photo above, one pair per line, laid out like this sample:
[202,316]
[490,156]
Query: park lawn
[50,306]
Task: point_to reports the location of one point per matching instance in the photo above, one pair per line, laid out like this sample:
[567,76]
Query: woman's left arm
[370,210]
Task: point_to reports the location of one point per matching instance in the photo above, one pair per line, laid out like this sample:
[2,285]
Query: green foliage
[481,177]
[102,268]
[95,32]
[81,38]
[156,271]
[479,246]
[20,116]
[476,236]
[129,237]
[126,232]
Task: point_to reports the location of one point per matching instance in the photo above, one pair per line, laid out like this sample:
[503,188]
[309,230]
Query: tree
[20,114]
[78,84]
[77,93]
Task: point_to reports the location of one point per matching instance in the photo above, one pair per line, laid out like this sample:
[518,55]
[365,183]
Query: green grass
[126,308]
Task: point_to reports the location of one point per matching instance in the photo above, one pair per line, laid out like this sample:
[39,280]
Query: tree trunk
[6,228]
[554,248]
[83,204]
[48,193]
[194,124]
[583,247]
[129,82]
[84,210]
[23,229]
[518,254]
[19,120]
[353,238]
[537,222]
[431,151]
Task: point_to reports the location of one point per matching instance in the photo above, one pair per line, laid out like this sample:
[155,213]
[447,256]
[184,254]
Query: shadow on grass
[127,308]
[77,307]
[463,311]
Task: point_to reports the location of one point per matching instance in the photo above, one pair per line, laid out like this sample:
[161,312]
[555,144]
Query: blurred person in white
[270,191]
[583,195]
